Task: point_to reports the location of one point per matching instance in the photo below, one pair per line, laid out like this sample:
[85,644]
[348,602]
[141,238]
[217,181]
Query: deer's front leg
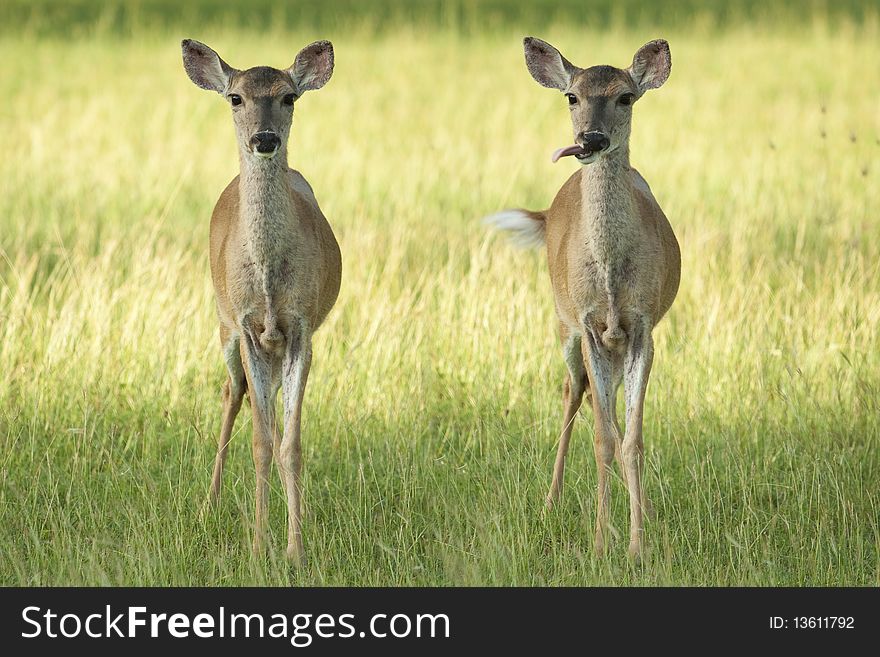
[295,373]
[261,390]
[637,369]
[599,370]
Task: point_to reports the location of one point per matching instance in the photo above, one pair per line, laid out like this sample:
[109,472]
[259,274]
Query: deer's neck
[607,206]
[265,208]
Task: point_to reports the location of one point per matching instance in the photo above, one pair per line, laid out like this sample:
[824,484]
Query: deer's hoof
[550,501]
[635,552]
[648,510]
[296,556]
[258,547]
[208,507]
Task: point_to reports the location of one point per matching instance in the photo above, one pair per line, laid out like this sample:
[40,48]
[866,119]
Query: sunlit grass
[435,397]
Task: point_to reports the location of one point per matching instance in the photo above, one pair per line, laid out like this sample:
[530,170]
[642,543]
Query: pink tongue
[568,150]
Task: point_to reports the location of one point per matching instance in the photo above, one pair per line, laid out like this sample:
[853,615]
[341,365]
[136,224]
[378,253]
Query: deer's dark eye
[626,99]
[572,99]
[235,99]
[288,99]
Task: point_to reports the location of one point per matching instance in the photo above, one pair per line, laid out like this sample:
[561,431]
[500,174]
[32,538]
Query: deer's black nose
[594,142]
[265,142]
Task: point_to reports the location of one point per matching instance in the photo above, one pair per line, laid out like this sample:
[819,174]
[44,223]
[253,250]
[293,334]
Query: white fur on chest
[270,274]
[270,227]
[603,257]
[609,228]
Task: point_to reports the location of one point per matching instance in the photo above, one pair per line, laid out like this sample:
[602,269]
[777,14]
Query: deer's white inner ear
[312,67]
[205,68]
[651,65]
[216,78]
[547,65]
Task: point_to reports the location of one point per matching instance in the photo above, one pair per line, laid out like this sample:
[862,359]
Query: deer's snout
[265,143]
[594,142]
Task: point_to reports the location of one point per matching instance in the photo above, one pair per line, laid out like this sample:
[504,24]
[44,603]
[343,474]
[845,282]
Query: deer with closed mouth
[614,265]
[275,265]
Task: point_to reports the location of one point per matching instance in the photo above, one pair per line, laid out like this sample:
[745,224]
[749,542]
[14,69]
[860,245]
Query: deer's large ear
[312,67]
[651,65]
[547,65]
[205,67]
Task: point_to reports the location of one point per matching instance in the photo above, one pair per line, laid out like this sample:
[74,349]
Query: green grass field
[434,403]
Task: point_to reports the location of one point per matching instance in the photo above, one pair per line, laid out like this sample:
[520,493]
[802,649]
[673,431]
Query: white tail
[526,228]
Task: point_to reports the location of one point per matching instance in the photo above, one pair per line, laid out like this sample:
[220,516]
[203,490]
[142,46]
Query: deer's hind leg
[572,396]
[233,394]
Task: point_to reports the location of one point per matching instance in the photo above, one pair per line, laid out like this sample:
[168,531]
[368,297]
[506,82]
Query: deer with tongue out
[614,265]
